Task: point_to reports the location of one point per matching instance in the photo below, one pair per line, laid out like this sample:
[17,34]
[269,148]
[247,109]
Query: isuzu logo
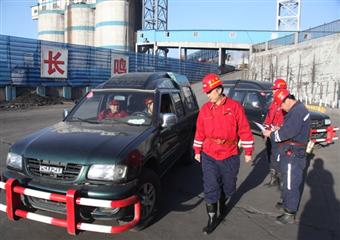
[49,169]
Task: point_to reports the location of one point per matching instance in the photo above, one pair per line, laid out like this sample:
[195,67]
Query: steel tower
[155,14]
[288,15]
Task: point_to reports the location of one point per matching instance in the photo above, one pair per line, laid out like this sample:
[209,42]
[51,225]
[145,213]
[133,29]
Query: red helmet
[280,95]
[114,102]
[148,100]
[279,84]
[210,81]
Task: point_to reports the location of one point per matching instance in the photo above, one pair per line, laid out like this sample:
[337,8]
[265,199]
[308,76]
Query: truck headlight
[328,121]
[14,160]
[107,172]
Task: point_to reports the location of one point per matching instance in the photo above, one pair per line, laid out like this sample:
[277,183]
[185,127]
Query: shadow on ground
[181,190]
[254,179]
[320,217]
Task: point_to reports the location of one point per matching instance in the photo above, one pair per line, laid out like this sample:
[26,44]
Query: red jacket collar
[223,101]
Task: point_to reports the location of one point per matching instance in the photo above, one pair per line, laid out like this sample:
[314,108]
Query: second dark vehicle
[256,96]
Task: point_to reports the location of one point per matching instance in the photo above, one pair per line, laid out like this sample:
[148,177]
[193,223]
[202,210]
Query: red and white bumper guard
[72,201]
[330,136]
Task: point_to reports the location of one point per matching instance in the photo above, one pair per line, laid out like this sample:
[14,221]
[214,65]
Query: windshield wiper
[85,120]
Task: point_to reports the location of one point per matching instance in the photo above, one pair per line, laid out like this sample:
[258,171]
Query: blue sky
[15,15]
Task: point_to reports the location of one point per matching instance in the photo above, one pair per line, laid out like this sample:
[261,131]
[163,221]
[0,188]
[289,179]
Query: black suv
[256,97]
[118,160]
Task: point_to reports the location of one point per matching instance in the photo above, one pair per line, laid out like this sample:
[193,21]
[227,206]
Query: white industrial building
[100,23]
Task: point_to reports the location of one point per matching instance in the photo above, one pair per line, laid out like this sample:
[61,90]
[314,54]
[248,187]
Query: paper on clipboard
[260,126]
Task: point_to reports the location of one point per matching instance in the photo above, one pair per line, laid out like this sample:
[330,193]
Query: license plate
[49,169]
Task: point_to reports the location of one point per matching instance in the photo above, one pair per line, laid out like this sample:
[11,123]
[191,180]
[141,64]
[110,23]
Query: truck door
[169,141]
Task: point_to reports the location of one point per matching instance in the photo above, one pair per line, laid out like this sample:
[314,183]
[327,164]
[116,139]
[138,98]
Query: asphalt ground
[251,213]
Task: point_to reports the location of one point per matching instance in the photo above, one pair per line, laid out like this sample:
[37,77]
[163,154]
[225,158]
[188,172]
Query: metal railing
[302,36]
[282,41]
[320,31]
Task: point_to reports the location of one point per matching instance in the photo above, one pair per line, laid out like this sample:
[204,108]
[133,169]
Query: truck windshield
[115,107]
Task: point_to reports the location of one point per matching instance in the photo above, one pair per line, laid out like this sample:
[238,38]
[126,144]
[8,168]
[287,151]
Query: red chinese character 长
[53,63]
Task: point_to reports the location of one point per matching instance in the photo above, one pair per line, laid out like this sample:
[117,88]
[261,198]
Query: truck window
[252,101]
[238,96]
[178,105]
[189,99]
[226,91]
[89,108]
[166,104]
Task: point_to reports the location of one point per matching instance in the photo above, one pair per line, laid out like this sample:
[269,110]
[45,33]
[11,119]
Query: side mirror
[168,120]
[65,113]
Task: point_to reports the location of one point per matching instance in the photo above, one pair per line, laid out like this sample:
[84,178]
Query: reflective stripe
[196,145]
[3,207]
[289,170]
[198,142]
[38,194]
[306,117]
[247,146]
[39,218]
[95,228]
[278,158]
[247,142]
[323,139]
[277,137]
[95,202]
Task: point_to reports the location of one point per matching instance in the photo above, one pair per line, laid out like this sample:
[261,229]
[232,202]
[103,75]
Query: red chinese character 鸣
[119,66]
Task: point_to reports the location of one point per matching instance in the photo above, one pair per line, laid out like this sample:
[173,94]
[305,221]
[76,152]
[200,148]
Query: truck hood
[79,143]
[317,115]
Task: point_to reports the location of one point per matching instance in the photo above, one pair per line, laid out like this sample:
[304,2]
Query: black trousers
[219,175]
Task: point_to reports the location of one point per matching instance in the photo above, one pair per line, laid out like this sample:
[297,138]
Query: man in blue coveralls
[292,139]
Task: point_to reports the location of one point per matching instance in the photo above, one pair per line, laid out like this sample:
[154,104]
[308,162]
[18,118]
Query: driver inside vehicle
[113,111]
[149,105]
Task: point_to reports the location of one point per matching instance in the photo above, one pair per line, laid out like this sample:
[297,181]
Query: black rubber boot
[212,221]
[222,207]
[286,218]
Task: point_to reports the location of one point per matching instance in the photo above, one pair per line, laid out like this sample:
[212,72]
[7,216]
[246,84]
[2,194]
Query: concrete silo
[101,23]
[116,22]
[51,25]
[79,24]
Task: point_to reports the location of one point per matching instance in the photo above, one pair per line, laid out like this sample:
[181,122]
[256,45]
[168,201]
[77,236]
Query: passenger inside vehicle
[113,111]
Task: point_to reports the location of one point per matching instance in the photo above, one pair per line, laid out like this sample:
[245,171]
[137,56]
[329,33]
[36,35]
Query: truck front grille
[315,124]
[47,205]
[69,171]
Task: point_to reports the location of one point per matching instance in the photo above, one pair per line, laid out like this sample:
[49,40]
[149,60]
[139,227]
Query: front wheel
[149,194]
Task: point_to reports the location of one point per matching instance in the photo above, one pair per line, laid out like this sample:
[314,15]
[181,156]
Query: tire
[149,193]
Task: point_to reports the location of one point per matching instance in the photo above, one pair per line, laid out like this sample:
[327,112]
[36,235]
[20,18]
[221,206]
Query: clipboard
[260,126]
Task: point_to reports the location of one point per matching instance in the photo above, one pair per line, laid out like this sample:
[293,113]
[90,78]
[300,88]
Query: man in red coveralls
[273,121]
[221,123]
[113,111]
